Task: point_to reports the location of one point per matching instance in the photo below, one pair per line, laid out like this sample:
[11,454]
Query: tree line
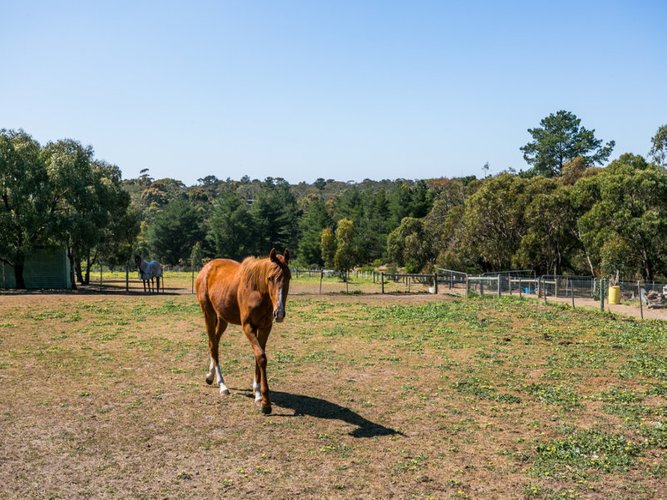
[564,214]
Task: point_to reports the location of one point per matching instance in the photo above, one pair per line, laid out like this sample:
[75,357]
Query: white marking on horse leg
[221,381]
[211,372]
[255,388]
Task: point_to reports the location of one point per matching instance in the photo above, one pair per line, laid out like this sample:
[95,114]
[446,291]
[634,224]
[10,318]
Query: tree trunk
[70,255]
[18,274]
[88,264]
[79,271]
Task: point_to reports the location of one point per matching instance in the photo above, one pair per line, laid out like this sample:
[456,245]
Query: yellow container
[615,294]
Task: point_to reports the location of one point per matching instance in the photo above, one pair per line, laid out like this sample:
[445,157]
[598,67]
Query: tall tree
[116,225]
[25,196]
[77,213]
[410,245]
[560,139]
[344,258]
[328,247]
[658,152]
[626,227]
[494,222]
[231,228]
[275,213]
[551,232]
[314,219]
[175,230]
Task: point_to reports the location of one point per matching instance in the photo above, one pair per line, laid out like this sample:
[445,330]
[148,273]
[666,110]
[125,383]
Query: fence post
[641,305]
[499,287]
[556,286]
[467,287]
[127,278]
[321,278]
[571,283]
[451,281]
[602,294]
[435,283]
[382,282]
[540,288]
[100,276]
[481,287]
[520,288]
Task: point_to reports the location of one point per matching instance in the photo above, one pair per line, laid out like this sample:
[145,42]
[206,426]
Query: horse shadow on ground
[321,408]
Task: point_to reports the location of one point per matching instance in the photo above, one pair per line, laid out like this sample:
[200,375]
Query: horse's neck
[255,276]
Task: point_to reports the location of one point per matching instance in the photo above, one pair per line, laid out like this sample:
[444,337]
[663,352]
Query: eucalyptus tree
[410,245]
[494,221]
[345,257]
[658,152]
[328,247]
[25,196]
[625,228]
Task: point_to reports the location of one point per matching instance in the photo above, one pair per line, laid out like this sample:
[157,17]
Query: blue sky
[335,89]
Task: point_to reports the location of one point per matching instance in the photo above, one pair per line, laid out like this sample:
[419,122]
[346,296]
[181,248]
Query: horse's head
[278,282]
[137,261]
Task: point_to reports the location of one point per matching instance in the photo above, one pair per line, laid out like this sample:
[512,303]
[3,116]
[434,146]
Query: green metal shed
[46,267]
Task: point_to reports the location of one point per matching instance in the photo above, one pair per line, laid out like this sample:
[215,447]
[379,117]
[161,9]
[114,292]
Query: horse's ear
[286,256]
[272,255]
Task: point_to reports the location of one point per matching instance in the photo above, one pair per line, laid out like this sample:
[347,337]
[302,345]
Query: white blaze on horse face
[279,313]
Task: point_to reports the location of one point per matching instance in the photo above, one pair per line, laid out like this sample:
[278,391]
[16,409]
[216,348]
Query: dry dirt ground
[103,395]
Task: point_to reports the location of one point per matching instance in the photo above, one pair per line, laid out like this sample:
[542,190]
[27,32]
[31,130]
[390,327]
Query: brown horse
[251,294]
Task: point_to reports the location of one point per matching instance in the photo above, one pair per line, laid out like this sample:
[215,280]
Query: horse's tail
[201,289]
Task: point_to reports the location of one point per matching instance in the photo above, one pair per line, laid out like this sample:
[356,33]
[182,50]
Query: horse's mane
[254,273]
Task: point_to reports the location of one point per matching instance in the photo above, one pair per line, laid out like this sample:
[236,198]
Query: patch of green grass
[483,390]
[584,450]
[618,395]
[645,364]
[554,395]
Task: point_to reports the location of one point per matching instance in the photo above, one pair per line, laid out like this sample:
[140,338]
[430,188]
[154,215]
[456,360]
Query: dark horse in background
[149,271]
[252,294]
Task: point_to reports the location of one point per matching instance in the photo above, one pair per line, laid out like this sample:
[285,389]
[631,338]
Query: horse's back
[153,269]
[216,287]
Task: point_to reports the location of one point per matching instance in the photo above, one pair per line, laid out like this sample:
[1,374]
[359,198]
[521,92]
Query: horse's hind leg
[215,326]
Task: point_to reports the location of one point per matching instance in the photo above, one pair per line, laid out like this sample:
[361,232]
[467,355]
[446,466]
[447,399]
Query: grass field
[374,396]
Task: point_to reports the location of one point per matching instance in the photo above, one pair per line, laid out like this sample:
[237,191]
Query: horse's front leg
[262,338]
[257,340]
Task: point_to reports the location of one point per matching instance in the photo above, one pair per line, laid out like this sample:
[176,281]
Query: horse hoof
[225,392]
[266,410]
[209,381]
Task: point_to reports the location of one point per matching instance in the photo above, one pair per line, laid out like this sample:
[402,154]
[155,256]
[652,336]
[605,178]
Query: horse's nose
[278,315]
